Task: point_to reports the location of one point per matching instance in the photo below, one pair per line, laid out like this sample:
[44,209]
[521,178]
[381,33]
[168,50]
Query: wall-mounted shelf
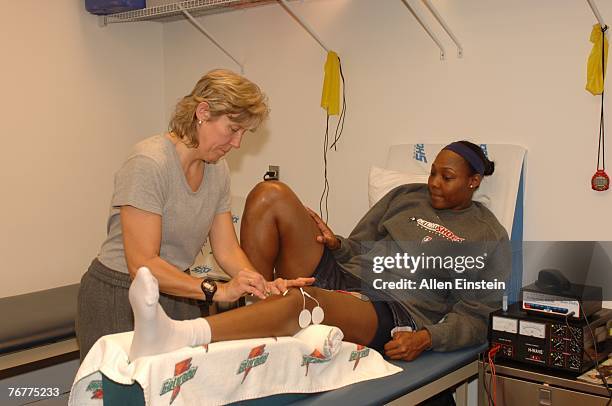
[189,9]
[173,11]
[195,8]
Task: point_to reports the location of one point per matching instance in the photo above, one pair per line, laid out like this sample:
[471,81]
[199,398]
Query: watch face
[209,287]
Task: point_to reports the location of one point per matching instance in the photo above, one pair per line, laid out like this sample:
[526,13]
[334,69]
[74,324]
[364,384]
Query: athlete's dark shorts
[329,275]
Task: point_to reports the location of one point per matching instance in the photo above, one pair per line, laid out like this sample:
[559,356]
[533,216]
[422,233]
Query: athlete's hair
[489,166]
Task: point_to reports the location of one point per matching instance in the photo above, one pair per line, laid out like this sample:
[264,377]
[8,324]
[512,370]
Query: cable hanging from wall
[596,73]
[330,102]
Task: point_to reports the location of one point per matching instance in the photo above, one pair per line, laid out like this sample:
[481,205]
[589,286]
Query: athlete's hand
[280,285]
[407,345]
[327,237]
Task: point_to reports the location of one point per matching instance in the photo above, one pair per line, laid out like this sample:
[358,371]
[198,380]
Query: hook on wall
[440,21]
[427,29]
[597,15]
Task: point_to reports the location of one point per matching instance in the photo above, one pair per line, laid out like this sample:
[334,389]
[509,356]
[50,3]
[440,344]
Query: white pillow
[382,181]
[205,264]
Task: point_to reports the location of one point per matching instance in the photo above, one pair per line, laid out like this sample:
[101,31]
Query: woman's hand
[245,282]
[407,345]
[280,285]
[253,283]
[327,237]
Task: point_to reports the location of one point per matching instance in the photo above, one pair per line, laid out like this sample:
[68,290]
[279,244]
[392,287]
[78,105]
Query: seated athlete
[284,239]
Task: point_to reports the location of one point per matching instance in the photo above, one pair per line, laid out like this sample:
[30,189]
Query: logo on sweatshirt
[95,387]
[183,372]
[439,230]
[361,352]
[256,357]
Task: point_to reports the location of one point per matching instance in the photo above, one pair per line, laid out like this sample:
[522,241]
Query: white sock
[154,331]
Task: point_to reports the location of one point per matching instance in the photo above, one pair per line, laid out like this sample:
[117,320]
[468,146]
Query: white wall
[521,81]
[75,97]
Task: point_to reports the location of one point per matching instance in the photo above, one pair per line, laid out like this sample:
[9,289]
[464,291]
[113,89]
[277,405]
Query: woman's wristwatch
[209,287]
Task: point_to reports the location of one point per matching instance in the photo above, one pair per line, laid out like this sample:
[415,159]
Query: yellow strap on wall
[595,79]
[330,99]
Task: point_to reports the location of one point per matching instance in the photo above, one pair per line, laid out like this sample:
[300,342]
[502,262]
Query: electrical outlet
[276,170]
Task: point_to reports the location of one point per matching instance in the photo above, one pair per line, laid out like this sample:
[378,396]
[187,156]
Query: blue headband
[469,155]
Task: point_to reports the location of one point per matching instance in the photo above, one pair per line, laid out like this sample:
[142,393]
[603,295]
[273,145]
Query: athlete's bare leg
[277,233]
[278,316]
[156,333]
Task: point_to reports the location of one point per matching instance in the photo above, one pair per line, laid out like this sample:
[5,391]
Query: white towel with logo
[314,360]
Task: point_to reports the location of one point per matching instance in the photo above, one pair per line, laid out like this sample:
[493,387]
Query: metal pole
[303,23]
[426,27]
[209,35]
[438,17]
[596,12]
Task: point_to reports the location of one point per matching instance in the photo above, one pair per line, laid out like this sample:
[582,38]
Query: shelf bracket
[596,12]
[209,36]
[303,23]
[441,21]
[427,29]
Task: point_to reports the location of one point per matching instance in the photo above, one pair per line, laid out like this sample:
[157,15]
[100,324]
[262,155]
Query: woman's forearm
[172,280]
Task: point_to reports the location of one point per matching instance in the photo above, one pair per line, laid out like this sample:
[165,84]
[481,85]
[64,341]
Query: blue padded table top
[425,369]
[38,318]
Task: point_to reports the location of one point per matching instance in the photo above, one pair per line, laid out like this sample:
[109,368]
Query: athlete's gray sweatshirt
[439,299]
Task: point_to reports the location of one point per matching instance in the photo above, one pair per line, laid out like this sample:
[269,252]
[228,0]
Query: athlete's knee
[292,304]
[311,294]
[294,298]
[266,194]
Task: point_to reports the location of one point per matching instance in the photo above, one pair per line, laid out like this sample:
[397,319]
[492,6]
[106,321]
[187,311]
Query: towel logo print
[95,387]
[427,238]
[440,230]
[256,357]
[361,352]
[314,358]
[183,372]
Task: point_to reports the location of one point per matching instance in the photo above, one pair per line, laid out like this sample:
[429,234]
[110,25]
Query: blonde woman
[172,193]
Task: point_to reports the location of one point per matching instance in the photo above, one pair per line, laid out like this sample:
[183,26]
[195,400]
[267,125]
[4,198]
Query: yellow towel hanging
[595,75]
[330,99]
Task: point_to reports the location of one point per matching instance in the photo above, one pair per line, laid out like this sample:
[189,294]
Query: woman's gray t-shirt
[152,180]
